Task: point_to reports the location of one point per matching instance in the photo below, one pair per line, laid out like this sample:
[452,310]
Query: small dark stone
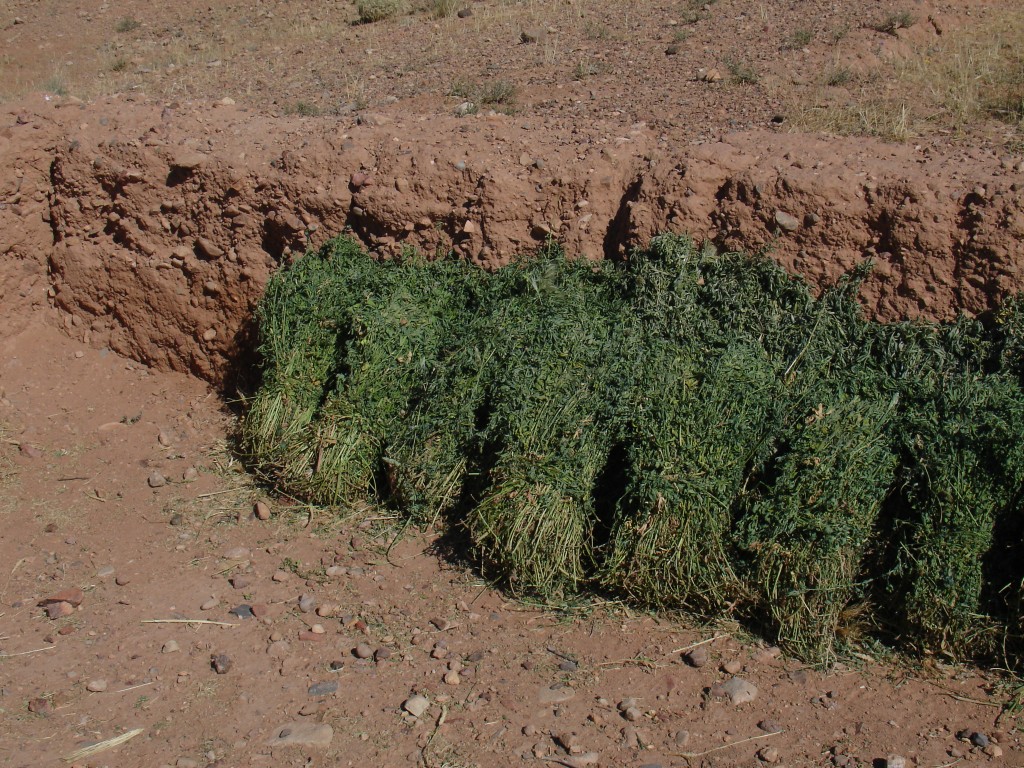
[475,656]
[770,726]
[243,611]
[382,654]
[221,663]
[568,666]
[177,519]
[325,688]
[672,50]
[465,13]
[698,657]
[979,739]
[336,665]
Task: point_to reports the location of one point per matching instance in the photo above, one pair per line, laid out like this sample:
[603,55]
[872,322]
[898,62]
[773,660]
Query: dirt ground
[157,163]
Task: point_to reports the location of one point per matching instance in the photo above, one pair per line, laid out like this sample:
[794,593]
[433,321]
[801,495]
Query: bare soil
[158,162]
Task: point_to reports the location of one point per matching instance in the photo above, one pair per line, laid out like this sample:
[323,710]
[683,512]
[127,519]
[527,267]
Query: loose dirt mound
[162,224]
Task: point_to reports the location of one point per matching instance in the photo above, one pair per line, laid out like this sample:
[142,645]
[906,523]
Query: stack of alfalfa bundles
[348,343]
[551,338]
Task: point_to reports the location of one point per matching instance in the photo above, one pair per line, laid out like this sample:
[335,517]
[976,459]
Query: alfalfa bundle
[706,339]
[396,338]
[428,460]
[301,320]
[551,338]
[958,439]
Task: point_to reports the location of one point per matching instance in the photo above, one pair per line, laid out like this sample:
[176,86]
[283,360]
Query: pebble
[786,221]
[261,510]
[697,658]
[452,678]
[122,581]
[382,654]
[241,582]
[895,761]
[171,646]
[72,597]
[309,708]
[416,705]
[280,576]
[96,686]
[156,480]
[362,651]
[307,603]
[301,734]
[105,571]
[236,553]
[318,629]
[555,694]
[325,688]
[326,610]
[59,610]
[221,663]
[739,691]
[190,474]
[242,611]
[732,667]
[770,726]
[210,604]
[463,13]
[979,739]
[278,649]
[993,750]
[632,714]
[534,35]
[769,754]
[42,707]
[164,438]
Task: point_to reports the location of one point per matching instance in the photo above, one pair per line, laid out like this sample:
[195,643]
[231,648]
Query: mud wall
[159,226]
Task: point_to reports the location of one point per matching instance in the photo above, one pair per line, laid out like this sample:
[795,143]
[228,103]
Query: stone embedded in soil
[739,690]
[416,705]
[236,553]
[261,510]
[632,714]
[325,688]
[732,667]
[209,604]
[895,761]
[362,651]
[59,610]
[697,658]
[122,581]
[770,726]
[72,596]
[382,654]
[452,678]
[307,603]
[96,686]
[40,706]
[171,646]
[786,221]
[156,480]
[30,451]
[302,734]
[190,474]
[208,248]
[769,755]
[979,739]
[280,576]
[242,611]
[555,694]
[221,663]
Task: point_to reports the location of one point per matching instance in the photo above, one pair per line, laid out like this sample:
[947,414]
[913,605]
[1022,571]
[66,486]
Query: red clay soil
[141,215]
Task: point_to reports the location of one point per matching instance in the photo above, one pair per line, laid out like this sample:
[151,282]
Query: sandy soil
[157,163]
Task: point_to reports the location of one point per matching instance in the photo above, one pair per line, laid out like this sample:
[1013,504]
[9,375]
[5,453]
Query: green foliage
[688,429]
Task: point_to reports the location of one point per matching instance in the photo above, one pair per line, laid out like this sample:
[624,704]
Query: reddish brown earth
[141,215]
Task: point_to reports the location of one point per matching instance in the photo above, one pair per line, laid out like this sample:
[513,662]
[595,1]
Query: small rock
[190,474]
[242,611]
[556,694]
[59,610]
[311,635]
[156,480]
[382,654]
[236,553]
[42,707]
[709,75]
[786,221]
[96,686]
[307,603]
[317,629]
[739,691]
[280,576]
[164,438]
[209,604]
[326,610]
[465,108]
[979,739]
[122,581]
[187,160]
[770,726]
[732,667]
[73,597]
[30,451]
[221,663]
[208,248]
[464,13]
[530,36]
[452,678]
[682,738]
[325,688]
[261,510]
[362,651]
[278,649]
[416,705]
[769,754]
[171,646]
[697,658]
[310,708]
[632,714]
[993,750]
[241,582]
[895,761]
[302,734]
